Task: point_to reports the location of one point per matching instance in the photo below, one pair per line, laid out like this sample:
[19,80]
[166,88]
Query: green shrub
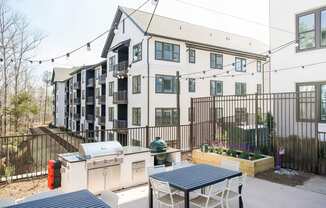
[231,152]
[244,155]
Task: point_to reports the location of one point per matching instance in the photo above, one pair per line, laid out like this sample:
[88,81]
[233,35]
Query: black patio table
[193,178]
[78,199]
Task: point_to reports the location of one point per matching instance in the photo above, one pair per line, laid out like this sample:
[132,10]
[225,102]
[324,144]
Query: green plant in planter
[9,171]
[218,150]
[231,152]
[210,149]
[257,156]
[244,155]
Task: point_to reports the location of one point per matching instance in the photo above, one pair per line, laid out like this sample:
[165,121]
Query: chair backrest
[161,187]
[235,182]
[230,164]
[110,198]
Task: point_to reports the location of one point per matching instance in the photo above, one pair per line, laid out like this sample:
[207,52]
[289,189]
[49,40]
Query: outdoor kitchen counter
[129,150]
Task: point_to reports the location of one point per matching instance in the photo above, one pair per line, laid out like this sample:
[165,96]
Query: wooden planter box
[250,167]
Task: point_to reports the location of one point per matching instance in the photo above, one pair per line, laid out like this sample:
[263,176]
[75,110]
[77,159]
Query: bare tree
[46,80]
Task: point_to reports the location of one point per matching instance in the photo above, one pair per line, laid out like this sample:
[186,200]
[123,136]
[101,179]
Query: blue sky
[67,24]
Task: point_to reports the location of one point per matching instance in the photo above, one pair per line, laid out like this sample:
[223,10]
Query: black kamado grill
[158,148]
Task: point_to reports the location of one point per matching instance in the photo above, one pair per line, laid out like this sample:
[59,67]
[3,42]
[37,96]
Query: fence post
[317,112]
[178,108]
[147,136]
[191,124]
[214,119]
[256,122]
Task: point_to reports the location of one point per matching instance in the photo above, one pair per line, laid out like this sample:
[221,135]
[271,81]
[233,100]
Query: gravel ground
[21,189]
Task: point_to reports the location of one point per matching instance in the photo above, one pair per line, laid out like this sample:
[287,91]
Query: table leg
[186,199]
[150,196]
[240,197]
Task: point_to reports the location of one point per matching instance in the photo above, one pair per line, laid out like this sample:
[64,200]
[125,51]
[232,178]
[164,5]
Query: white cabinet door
[96,180]
[113,177]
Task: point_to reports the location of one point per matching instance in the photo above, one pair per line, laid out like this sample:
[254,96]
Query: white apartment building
[142,66]
[59,79]
[305,22]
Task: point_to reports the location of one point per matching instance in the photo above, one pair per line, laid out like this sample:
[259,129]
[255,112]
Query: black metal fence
[265,123]
[26,156]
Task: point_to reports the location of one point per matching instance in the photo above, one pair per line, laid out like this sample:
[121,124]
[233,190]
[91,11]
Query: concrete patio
[257,193]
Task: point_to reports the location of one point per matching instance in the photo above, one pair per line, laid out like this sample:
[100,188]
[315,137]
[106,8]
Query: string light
[52,60]
[88,46]
[68,55]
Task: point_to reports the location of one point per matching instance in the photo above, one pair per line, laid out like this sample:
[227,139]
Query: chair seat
[166,199]
[200,201]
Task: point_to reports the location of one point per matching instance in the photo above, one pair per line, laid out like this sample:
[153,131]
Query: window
[218,113]
[258,66]
[136,84]
[192,56]
[191,85]
[306,102]
[167,51]
[111,88]
[240,88]
[83,111]
[306,31]
[165,84]
[137,52]
[110,113]
[240,64]
[323,28]
[240,115]
[166,116]
[216,61]
[97,92]
[123,26]
[189,114]
[111,63]
[83,94]
[110,136]
[136,116]
[323,102]
[97,111]
[216,88]
[259,89]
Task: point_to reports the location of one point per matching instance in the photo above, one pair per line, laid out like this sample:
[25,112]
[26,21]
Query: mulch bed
[290,180]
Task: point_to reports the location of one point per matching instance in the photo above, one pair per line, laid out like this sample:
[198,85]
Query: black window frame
[138,46]
[317,101]
[191,56]
[173,119]
[216,57]
[174,84]
[241,87]
[243,67]
[136,80]
[191,85]
[173,52]
[317,29]
[214,82]
[111,88]
[136,119]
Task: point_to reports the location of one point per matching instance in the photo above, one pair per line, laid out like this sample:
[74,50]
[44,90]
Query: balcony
[102,79]
[90,118]
[77,101]
[120,69]
[101,120]
[77,85]
[90,82]
[101,100]
[77,116]
[90,100]
[120,124]
[120,97]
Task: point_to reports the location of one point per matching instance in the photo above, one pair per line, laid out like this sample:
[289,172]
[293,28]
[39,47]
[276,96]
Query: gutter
[148,81]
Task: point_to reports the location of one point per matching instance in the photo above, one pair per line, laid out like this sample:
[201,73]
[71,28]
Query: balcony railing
[101,120]
[90,118]
[90,100]
[101,100]
[77,85]
[120,69]
[102,79]
[90,82]
[120,97]
[120,124]
[76,116]
[77,101]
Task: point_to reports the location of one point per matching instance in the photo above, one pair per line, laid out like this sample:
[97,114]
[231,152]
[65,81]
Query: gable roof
[61,74]
[190,33]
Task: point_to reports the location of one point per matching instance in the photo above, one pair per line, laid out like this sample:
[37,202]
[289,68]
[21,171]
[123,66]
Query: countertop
[128,150]
[168,151]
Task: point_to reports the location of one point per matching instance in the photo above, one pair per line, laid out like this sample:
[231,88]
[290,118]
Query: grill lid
[100,149]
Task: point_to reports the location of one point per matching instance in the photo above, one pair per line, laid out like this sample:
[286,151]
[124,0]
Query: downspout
[148,79]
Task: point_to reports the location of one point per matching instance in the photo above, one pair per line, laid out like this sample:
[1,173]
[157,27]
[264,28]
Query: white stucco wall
[283,15]
[60,104]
